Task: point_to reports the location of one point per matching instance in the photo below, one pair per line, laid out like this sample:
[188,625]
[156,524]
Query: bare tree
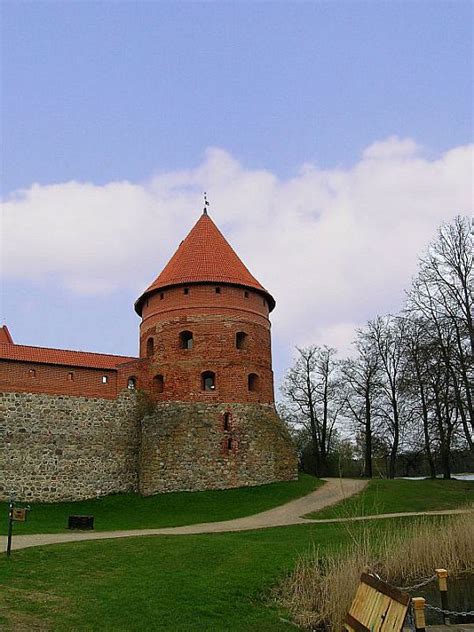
[387,334]
[445,412]
[448,266]
[310,389]
[409,389]
[360,379]
[418,349]
[441,297]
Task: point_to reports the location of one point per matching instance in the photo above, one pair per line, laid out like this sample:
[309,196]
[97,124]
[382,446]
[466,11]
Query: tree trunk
[368,438]
[396,436]
[426,430]
[444,445]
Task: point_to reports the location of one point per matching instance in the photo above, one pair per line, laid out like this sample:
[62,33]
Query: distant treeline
[403,404]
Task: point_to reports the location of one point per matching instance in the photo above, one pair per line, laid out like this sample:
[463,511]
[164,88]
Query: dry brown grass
[320,590]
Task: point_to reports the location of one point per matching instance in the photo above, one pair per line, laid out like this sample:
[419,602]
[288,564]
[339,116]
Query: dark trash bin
[81,522]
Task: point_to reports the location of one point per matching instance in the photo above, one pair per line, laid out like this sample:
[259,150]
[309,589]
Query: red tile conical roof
[204,256]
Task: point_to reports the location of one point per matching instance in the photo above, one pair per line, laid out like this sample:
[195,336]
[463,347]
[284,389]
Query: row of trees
[408,387]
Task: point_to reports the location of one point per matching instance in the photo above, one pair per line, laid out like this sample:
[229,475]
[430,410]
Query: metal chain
[450,612]
[420,585]
[426,581]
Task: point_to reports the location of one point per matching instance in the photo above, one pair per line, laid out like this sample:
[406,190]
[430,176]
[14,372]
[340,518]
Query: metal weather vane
[206,204]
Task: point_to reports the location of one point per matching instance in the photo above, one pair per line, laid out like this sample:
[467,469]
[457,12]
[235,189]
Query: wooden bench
[377,607]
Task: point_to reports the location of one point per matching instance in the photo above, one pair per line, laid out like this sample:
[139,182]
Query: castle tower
[205,334]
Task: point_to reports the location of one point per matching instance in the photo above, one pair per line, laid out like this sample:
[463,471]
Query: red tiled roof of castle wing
[204,256]
[5,336]
[43,355]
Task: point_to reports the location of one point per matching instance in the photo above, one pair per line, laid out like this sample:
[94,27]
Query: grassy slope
[392,496]
[130,511]
[205,582]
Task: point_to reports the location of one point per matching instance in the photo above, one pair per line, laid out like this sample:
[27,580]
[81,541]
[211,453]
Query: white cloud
[334,246]
[391,148]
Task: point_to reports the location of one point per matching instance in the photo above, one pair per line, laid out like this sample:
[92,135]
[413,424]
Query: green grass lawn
[131,511]
[212,582]
[393,496]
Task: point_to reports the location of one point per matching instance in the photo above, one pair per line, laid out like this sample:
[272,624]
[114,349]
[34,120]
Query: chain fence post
[442,574]
[418,604]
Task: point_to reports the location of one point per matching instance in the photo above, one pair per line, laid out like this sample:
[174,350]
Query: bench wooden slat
[377,607]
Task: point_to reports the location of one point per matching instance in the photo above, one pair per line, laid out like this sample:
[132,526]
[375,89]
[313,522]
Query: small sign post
[15,514]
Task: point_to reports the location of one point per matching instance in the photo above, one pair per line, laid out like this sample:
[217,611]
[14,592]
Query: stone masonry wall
[58,447]
[213,446]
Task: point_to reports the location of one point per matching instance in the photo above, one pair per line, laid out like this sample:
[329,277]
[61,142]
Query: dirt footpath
[333,491]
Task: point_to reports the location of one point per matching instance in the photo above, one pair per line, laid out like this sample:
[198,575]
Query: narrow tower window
[158,383]
[131,383]
[105,379]
[241,340]
[208,381]
[218,290]
[186,290]
[162,296]
[186,340]
[229,444]
[32,373]
[70,376]
[253,382]
[226,421]
[150,347]
[246,294]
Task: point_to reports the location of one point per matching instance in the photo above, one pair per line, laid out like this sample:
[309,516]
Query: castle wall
[213,446]
[38,377]
[59,447]
[70,424]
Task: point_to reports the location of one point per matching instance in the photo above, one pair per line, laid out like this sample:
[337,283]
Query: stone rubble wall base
[192,447]
[62,448]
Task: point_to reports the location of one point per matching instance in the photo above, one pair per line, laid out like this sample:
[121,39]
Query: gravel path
[333,491]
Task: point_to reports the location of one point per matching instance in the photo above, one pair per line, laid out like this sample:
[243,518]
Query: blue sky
[110,92]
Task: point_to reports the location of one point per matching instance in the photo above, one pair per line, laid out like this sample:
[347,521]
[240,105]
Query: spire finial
[206,204]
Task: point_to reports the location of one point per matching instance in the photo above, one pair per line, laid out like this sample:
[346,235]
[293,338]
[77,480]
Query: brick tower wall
[214,320]
[210,439]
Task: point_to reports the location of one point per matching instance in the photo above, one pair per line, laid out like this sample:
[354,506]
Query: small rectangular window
[218,290]
[162,296]
[105,379]
[226,421]
[70,376]
[32,373]
[186,290]
[246,294]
